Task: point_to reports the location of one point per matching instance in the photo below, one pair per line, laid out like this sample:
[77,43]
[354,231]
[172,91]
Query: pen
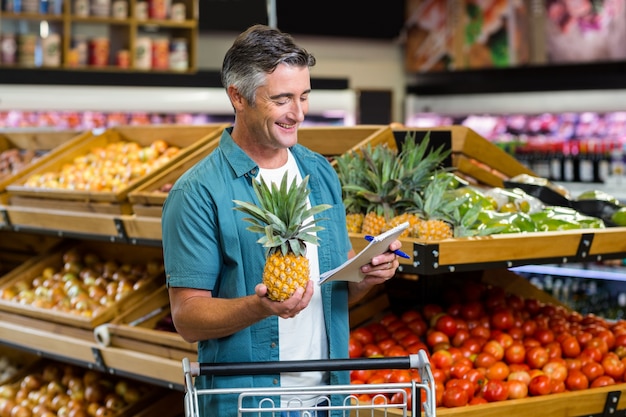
[397,251]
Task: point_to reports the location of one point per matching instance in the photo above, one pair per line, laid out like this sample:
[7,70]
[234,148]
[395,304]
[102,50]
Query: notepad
[351,269]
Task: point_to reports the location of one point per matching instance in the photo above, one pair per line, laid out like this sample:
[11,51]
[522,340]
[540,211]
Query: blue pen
[397,251]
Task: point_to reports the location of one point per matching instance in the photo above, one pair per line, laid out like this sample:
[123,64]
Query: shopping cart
[259,401]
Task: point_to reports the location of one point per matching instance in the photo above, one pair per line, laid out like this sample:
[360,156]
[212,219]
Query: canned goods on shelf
[178,12]
[141,10]
[26,47]
[81,8]
[143,52]
[51,50]
[123,58]
[158,9]
[8,49]
[101,8]
[80,56]
[160,53]
[99,52]
[119,9]
[179,59]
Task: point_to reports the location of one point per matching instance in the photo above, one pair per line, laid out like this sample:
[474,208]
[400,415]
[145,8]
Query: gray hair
[256,53]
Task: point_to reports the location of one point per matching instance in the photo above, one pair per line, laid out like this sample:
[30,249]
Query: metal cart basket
[380,404]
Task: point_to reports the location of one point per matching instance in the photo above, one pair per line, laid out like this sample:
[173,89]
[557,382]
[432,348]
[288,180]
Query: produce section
[129,343]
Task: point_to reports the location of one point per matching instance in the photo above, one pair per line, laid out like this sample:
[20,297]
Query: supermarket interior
[527,96]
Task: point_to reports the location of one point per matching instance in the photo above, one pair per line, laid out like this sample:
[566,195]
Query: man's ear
[237,100]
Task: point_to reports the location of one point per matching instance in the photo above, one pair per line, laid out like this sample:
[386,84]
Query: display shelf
[508,250]
[121,34]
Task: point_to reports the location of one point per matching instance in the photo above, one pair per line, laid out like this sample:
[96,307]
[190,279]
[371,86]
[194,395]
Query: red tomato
[570,347]
[355,348]
[592,370]
[362,375]
[418,326]
[495,390]
[401,332]
[590,354]
[472,310]
[476,377]
[477,400]
[556,370]
[484,360]
[537,357]
[613,366]
[481,332]
[598,342]
[516,353]
[410,339]
[372,350]
[576,380]
[385,344]
[461,336]
[389,318]
[517,389]
[400,375]
[554,350]
[544,336]
[410,315]
[502,319]
[463,383]
[522,376]
[529,327]
[472,345]
[441,359]
[461,367]
[431,310]
[396,351]
[505,339]
[454,397]
[517,333]
[539,385]
[446,324]
[362,335]
[557,386]
[494,348]
[435,337]
[620,340]
[602,381]
[416,348]
[499,371]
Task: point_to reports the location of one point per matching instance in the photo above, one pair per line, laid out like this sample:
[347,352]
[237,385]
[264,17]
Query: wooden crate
[474,156]
[336,140]
[507,250]
[136,330]
[589,402]
[45,144]
[120,254]
[187,138]
[147,199]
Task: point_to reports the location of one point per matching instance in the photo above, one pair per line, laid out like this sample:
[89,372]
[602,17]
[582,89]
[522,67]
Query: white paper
[351,269]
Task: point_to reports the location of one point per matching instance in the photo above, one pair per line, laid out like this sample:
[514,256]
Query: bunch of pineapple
[384,187]
[286,223]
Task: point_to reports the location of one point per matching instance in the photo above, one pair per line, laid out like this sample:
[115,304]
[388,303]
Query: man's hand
[291,306]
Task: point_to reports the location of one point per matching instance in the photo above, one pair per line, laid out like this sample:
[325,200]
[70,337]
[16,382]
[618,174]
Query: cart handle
[412,361]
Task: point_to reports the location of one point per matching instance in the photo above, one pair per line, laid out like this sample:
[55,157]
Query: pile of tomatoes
[486,345]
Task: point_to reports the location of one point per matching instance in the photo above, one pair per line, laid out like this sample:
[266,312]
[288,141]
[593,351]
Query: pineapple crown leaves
[281,216]
[380,179]
[420,160]
[350,166]
[433,202]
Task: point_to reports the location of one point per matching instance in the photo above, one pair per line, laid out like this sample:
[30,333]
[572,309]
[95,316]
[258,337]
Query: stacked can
[143,53]
[99,52]
[51,50]
[26,48]
[8,49]
[179,60]
[160,53]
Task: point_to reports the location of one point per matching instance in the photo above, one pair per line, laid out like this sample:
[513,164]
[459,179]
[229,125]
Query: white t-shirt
[304,336]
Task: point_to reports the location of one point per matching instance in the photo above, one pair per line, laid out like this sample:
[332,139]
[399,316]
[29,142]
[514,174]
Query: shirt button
[275,381]
[273,344]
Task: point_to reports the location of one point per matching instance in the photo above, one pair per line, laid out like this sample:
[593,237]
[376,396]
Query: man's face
[280,107]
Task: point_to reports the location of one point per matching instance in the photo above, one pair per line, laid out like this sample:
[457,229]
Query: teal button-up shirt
[206,246]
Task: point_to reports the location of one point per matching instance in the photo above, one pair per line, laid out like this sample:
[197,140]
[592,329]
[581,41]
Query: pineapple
[377,186]
[286,223]
[350,168]
[436,210]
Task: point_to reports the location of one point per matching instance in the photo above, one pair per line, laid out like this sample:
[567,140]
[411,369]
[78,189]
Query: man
[214,265]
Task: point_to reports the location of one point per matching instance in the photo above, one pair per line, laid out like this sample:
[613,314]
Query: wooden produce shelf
[79,346]
[337,140]
[507,250]
[472,155]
